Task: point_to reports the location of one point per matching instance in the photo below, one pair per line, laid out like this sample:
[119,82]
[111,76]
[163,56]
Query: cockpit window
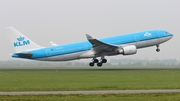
[167,32]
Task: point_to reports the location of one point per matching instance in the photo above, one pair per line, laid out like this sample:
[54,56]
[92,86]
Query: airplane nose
[168,35]
[171,35]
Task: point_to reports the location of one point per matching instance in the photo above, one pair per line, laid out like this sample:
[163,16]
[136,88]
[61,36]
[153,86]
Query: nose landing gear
[157,50]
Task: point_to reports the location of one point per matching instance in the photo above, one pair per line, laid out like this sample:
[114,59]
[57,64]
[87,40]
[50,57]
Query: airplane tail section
[19,41]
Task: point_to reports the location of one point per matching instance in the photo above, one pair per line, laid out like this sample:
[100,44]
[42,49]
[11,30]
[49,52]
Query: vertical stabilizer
[19,41]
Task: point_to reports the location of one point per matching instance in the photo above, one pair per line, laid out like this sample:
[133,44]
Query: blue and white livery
[126,44]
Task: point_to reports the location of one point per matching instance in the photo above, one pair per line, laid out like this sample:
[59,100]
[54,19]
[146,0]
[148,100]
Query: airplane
[126,44]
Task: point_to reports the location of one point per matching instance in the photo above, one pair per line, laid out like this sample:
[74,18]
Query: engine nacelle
[128,50]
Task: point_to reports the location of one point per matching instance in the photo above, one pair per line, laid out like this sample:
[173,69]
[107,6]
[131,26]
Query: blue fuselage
[140,39]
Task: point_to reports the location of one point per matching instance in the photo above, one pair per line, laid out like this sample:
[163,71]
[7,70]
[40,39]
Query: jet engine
[128,50]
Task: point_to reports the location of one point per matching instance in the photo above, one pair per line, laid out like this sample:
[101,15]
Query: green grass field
[108,97]
[57,80]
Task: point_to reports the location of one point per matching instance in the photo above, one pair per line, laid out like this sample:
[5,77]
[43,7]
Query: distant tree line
[145,62]
[112,62]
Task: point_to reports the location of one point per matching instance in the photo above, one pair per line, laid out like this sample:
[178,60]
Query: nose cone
[170,35]
[167,36]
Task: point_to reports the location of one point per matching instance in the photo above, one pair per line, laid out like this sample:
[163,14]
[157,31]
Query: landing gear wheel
[157,50]
[91,64]
[95,60]
[104,60]
[99,64]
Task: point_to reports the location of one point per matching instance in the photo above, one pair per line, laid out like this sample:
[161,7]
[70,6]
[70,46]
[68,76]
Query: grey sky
[67,21]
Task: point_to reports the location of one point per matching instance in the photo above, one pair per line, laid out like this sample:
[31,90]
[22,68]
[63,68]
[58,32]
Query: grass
[88,80]
[106,97]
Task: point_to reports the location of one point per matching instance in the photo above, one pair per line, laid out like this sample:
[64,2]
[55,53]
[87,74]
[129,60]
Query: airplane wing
[99,46]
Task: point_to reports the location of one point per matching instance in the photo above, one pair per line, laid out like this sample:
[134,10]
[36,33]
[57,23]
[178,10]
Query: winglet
[88,36]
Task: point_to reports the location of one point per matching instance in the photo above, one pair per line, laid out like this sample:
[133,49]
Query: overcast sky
[67,21]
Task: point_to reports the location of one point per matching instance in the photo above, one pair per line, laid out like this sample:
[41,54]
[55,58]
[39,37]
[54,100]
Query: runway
[90,92]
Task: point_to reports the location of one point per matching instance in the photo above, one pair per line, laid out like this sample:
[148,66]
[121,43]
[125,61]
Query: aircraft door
[86,47]
[160,36]
[48,52]
[136,37]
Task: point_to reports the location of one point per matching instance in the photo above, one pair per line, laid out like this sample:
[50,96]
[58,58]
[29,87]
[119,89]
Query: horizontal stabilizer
[53,44]
[23,55]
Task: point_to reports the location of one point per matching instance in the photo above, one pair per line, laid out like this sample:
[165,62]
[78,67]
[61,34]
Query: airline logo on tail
[21,42]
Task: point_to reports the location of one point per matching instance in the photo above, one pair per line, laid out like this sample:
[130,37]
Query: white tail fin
[19,41]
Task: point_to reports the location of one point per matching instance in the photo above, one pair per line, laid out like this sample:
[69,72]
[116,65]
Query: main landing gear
[99,62]
[157,50]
